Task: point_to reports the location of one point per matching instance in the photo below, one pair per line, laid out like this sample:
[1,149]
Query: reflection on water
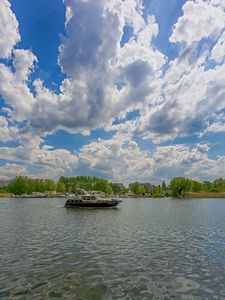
[144,249]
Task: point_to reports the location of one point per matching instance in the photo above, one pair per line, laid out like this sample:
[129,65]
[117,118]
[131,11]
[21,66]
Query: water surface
[144,249]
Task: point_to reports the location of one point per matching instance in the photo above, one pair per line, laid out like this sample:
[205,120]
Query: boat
[90,199]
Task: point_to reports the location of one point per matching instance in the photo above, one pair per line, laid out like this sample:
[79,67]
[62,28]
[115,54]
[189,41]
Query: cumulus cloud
[118,159]
[106,79]
[121,159]
[218,51]
[192,162]
[218,3]
[9,171]
[7,132]
[217,124]
[97,67]
[14,84]
[200,20]
[9,30]
[47,161]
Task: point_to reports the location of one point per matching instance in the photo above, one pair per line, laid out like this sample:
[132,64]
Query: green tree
[157,191]
[206,186]
[86,182]
[134,187]
[179,186]
[19,185]
[50,185]
[61,187]
[196,186]
[218,185]
[115,188]
[142,189]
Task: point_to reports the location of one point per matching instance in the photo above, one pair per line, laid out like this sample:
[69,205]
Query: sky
[120,89]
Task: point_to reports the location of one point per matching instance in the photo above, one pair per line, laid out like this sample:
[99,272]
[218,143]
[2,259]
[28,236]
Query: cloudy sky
[121,89]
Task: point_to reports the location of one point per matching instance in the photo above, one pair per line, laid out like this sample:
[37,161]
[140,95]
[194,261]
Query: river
[144,249]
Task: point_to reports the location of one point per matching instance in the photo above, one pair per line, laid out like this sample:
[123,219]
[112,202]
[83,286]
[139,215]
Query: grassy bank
[6,195]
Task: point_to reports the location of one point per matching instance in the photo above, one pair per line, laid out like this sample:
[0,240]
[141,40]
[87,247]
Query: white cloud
[14,84]
[118,159]
[9,171]
[121,159]
[32,152]
[23,63]
[216,127]
[217,124]
[218,3]
[200,20]
[104,81]
[96,65]
[192,162]
[9,31]
[192,95]
[218,51]
[7,132]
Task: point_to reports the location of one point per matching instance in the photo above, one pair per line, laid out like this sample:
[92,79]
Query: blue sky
[126,90]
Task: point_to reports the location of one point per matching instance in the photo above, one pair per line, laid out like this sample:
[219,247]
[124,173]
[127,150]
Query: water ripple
[145,249]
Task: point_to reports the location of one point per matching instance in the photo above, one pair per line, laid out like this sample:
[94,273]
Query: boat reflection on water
[84,198]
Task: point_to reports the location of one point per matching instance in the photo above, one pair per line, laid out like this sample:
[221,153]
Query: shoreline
[204,195]
[187,196]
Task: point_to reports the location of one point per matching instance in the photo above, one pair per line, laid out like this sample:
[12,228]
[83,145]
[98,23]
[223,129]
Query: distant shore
[199,195]
[204,195]
[40,195]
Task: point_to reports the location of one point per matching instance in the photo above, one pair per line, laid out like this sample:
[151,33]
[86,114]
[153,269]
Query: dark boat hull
[98,204]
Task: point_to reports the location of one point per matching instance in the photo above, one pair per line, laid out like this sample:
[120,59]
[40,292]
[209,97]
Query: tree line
[25,185]
[157,191]
[179,186]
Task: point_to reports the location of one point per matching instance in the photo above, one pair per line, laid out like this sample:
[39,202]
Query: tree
[196,186]
[142,189]
[179,186]
[39,185]
[50,185]
[218,185]
[87,183]
[206,186]
[19,185]
[61,187]
[115,188]
[157,191]
[134,186]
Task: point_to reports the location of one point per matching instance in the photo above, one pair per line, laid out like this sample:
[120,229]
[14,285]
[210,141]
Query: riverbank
[35,195]
[6,195]
[204,195]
